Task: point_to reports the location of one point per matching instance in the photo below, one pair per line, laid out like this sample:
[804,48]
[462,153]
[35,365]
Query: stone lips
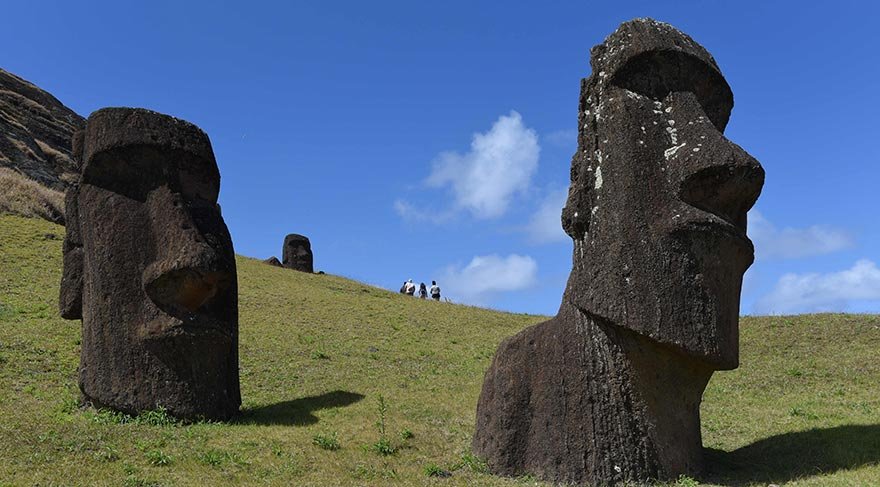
[609,390]
[297,253]
[35,132]
[158,293]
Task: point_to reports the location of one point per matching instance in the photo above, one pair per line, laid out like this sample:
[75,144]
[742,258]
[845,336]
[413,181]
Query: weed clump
[326,442]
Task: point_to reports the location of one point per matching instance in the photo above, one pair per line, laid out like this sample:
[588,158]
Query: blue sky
[432,140]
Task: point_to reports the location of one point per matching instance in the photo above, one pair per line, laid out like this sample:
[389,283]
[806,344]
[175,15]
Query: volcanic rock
[609,390]
[149,268]
[35,133]
[273,261]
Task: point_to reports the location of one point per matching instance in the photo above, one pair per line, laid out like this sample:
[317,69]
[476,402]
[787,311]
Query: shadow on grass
[297,412]
[786,457]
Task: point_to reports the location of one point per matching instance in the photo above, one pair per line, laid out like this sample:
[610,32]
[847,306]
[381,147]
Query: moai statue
[150,270]
[297,253]
[609,390]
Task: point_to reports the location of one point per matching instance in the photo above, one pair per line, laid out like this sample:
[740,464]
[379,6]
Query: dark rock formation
[609,390]
[149,268]
[273,261]
[35,133]
[297,253]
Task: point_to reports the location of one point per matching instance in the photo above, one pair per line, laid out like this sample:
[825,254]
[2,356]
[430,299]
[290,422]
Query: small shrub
[216,458]
[326,442]
[156,417]
[158,458]
[406,434]
[383,447]
[794,372]
[319,355]
[802,413]
[472,463]
[107,454]
[685,481]
[213,458]
[432,470]
[108,416]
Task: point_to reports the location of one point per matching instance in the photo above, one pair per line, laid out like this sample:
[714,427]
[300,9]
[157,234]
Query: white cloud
[791,243]
[487,275]
[410,212]
[562,138]
[545,225]
[801,293]
[501,163]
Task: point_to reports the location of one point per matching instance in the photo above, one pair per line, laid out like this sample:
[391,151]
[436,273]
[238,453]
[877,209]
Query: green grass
[317,352]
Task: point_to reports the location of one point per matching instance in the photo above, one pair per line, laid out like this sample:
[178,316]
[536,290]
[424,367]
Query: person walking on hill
[435,291]
[410,288]
[423,291]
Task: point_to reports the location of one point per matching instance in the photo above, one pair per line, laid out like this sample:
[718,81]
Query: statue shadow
[297,412]
[783,458]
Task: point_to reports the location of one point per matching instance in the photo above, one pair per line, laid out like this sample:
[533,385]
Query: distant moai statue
[609,390]
[297,253]
[273,261]
[149,268]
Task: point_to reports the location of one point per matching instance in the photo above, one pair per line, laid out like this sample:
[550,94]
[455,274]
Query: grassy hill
[318,353]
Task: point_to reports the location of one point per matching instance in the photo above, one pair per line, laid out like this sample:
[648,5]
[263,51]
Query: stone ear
[70,297]
[76,144]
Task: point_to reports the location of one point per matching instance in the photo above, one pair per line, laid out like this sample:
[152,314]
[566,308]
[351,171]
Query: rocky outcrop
[35,133]
[273,261]
[608,392]
[149,267]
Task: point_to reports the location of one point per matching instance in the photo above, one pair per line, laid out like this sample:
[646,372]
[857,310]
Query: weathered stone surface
[149,267]
[35,133]
[609,390]
[297,253]
[273,261]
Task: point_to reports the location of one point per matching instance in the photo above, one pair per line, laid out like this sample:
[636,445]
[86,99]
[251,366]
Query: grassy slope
[317,351]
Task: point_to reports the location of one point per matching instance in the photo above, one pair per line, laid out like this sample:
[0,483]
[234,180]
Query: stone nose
[725,181]
[181,290]
[191,266]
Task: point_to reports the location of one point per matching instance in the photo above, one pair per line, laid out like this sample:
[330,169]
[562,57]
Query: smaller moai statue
[297,253]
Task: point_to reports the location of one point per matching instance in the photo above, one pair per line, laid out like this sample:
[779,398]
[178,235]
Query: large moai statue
[150,270]
[297,253]
[609,390]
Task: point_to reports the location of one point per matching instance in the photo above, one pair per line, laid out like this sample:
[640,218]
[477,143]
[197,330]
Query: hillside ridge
[35,133]
[318,352]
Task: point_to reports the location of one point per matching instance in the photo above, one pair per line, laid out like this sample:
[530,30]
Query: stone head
[297,253]
[150,268]
[658,198]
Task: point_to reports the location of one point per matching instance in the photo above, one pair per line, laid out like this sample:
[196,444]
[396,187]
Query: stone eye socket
[655,74]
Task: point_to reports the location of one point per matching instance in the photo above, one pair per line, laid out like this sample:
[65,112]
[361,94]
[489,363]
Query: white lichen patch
[672,150]
[598,183]
[673,134]
[668,109]
[696,149]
